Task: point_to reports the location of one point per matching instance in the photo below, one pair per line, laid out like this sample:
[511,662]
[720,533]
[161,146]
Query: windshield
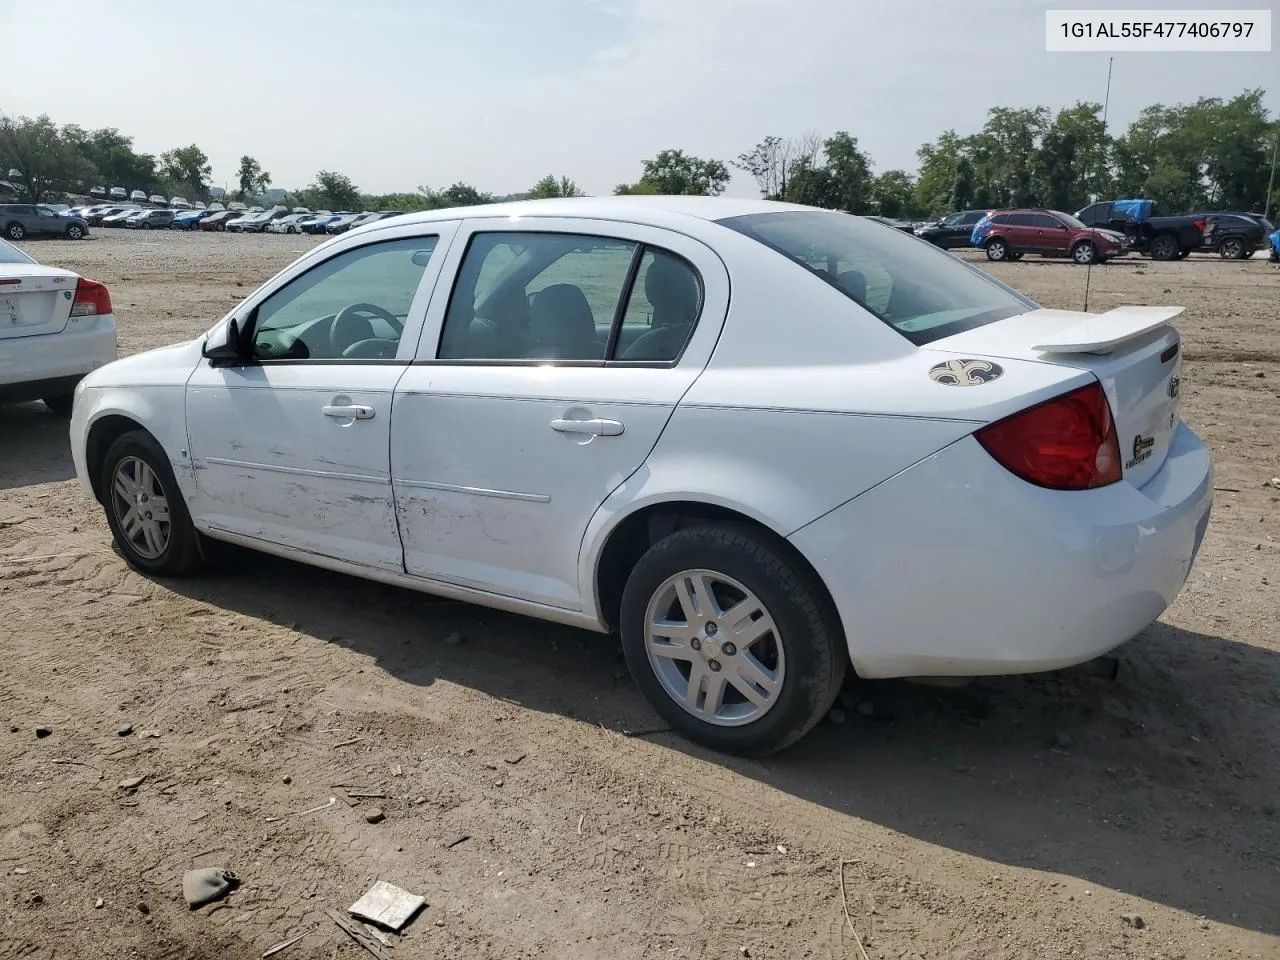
[1069,220]
[11,254]
[922,292]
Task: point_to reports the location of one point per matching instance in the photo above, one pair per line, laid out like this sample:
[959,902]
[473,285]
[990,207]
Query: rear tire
[997,250]
[145,510]
[15,231]
[1164,247]
[75,232]
[1232,248]
[687,583]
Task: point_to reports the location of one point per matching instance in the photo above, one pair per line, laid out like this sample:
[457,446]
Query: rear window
[11,254]
[922,292]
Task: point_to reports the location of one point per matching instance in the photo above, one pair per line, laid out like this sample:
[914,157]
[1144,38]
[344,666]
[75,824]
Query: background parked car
[1234,236]
[139,196]
[953,230]
[1010,234]
[156,198]
[218,221]
[290,224]
[350,222]
[150,220]
[119,193]
[100,213]
[97,192]
[887,221]
[318,223]
[187,219]
[59,326]
[118,218]
[21,220]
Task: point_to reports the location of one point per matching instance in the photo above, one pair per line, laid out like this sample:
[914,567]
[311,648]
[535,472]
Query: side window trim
[628,291]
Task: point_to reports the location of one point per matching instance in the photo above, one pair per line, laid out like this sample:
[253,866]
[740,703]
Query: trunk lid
[34,299]
[1133,351]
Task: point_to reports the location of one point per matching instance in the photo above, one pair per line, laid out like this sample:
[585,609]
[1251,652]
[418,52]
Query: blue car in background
[318,224]
[187,219]
[1274,240]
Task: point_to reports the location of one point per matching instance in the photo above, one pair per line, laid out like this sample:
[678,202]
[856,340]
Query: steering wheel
[350,326]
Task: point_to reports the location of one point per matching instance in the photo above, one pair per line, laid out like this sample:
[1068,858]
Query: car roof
[654,210]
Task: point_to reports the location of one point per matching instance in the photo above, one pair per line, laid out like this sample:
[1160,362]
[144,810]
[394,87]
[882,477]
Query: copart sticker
[965,373]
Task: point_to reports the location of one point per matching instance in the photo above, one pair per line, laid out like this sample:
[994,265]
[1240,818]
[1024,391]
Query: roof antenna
[1106,102]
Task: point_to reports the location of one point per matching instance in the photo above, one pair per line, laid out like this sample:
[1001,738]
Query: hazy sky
[397,93]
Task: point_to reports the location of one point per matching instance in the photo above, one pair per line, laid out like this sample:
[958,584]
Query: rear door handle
[350,411]
[601,428]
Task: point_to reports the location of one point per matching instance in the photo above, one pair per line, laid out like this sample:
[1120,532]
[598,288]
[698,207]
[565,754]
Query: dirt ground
[1014,818]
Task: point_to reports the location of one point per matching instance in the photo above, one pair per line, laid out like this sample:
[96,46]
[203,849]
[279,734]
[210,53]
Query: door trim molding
[295,471]
[474,491]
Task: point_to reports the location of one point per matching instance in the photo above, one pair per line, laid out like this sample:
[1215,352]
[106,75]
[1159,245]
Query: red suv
[1008,234]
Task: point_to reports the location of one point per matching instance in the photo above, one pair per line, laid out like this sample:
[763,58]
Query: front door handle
[600,428]
[349,411]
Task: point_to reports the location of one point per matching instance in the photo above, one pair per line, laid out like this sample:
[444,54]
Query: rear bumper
[957,568]
[38,366]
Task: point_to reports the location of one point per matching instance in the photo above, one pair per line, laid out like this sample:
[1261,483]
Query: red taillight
[1199,225]
[91,298]
[1067,443]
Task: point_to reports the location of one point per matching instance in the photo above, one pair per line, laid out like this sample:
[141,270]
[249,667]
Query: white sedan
[55,327]
[765,443]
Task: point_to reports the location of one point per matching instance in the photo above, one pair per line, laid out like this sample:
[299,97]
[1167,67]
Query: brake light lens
[1199,225]
[92,299]
[1067,443]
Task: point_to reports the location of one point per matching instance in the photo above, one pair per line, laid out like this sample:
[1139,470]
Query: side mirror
[238,347]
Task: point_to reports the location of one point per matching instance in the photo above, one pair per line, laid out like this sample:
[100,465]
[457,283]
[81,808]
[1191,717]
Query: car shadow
[34,446]
[1162,783]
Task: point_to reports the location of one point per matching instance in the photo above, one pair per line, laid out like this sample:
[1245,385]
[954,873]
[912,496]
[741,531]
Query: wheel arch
[632,533]
[103,432]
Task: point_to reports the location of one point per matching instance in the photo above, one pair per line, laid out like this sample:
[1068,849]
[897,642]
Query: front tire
[145,510]
[75,232]
[997,250]
[15,231]
[1084,253]
[729,640]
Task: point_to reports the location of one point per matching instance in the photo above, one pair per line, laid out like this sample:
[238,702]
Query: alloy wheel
[141,507]
[714,648]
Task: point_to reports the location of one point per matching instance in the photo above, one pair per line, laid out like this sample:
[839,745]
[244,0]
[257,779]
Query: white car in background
[55,326]
[766,443]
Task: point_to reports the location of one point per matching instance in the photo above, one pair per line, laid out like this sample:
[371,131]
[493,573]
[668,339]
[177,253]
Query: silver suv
[21,220]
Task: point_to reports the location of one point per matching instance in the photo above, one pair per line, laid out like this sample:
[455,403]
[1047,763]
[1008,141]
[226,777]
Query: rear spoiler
[1098,333]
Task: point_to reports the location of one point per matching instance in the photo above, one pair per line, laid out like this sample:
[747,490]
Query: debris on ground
[375,815]
[324,806]
[457,840]
[286,779]
[283,945]
[357,933]
[42,732]
[125,730]
[99,904]
[207,884]
[387,905]
[514,758]
[1273,482]
[132,783]
[1133,920]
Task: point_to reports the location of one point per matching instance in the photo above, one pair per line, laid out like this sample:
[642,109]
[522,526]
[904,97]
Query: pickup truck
[1162,238]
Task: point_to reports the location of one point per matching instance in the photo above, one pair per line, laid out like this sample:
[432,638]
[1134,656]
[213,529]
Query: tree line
[1212,153]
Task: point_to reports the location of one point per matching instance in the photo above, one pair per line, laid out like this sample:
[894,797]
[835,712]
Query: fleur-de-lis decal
[965,373]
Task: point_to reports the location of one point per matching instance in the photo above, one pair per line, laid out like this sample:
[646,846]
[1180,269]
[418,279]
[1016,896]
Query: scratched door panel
[272,464]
